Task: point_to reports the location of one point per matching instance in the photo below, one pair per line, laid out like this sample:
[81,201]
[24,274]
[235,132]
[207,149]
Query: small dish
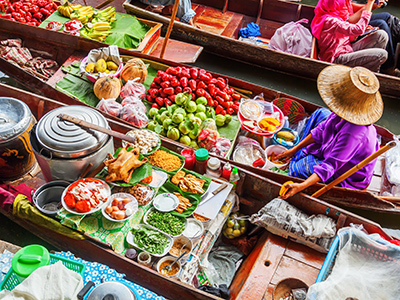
[166,202]
[177,247]
[93,77]
[194,229]
[159,178]
[116,203]
[250,110]
[168,260]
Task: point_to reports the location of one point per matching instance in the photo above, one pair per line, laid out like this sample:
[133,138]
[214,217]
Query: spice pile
[165,160]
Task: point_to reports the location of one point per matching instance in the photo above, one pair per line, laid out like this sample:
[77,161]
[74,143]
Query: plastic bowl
[93,79]
[182,240]
[281,142]
[171,259]
[277,149]
[133,205]
[198,233]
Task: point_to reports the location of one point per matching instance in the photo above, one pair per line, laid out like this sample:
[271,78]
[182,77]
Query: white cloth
[53,282]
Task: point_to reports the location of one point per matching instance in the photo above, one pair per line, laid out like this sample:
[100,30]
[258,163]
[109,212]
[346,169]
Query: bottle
[213,167]
[188,153]
[200,166]
[234,177]
[226,171]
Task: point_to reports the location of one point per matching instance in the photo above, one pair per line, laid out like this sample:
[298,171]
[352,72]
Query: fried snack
[178,177]
[165,160]
[122,167]
[188,182]
[184,203]
[200,217]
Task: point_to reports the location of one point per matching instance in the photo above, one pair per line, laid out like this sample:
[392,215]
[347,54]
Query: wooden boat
[220,22]
[67,49]
[271,260]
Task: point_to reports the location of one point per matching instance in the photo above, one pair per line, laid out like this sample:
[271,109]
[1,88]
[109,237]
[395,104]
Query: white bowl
[193,235]
[100,206]
[133,205]
[168,258]
[277,149]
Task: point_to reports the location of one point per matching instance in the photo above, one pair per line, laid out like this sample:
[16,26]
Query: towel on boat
[9,192]
[47,283]
[252,29]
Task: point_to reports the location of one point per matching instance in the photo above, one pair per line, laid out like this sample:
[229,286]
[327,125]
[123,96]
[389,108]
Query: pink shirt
[335,36]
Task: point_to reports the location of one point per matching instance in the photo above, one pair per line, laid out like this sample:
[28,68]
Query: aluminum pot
[47,198]
[16,155]
[64,150]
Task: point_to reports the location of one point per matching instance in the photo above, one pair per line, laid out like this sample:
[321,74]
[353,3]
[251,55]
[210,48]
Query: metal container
[49,193]
[16,156]
[64,150]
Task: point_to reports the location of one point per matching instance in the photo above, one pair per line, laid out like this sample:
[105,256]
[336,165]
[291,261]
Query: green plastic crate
[11,280]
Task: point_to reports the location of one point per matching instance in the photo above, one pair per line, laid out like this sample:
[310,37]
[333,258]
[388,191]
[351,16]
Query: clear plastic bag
[110,106]
[248,151]
[133,89]
[134,115]
[208,134]
[392,163]
[221,147]
[132,100]
[292,38]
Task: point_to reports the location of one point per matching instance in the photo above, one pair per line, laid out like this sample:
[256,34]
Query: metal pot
[49,193]
[110,290]
[64,150]
[16,156]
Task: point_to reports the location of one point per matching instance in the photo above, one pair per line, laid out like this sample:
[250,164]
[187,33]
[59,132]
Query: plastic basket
[372,251]
[11,280]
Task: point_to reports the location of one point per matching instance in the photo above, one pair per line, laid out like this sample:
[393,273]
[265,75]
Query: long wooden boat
[220,21]
[271,260]
[67,49]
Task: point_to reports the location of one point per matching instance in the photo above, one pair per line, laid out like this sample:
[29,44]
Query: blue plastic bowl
[282,142]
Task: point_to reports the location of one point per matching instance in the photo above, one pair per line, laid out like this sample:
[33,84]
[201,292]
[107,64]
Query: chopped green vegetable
[166,222]
[150,240]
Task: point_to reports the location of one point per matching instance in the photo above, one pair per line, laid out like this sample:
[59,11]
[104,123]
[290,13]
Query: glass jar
[200,165]
[213,167]
[188,153]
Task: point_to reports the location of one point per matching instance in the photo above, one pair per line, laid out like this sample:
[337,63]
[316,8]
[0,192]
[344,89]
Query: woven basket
[292,109]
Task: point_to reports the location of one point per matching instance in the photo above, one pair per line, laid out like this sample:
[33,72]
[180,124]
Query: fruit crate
[11,280]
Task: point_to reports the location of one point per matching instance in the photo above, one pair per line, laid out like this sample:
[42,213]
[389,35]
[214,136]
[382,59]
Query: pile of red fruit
[199,83]
[31,12]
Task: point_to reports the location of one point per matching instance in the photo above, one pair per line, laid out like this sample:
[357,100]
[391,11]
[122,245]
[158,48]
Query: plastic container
[234,177]
[276,149]
[213,167]
[132,206]
[171,259]
[181,241]
[194,229]
[190,158]
[47,198]
[200,165]
[226,171]
[28,259]
[144,258]
[285,143]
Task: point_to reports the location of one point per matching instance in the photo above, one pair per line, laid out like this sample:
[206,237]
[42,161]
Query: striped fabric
[302,166]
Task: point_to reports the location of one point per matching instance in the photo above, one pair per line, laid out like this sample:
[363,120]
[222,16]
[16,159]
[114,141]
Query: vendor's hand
[286,155]
[293,189]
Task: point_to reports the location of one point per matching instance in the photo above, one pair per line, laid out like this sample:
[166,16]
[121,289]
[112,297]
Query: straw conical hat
[351,93]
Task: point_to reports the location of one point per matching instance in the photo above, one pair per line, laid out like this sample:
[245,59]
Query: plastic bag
[221,147]
[235,226]
[248,151]
[110,106]
[208,134]
[134,115]
[392,163]
[292,38]
[132,100]
[133,89]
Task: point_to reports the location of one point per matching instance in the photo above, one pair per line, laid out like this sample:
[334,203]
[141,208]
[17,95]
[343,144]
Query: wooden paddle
[171,24]
[354,169]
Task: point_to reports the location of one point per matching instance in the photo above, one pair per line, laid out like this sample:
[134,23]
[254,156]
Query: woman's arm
[294,188]
[287,154]
[359,8]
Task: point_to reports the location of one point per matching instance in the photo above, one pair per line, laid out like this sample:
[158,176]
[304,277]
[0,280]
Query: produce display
[107,87]
[134,68]
[86,195]
[233,227]
[153,241]
[188,182]
[101,66]
[121,167]
[31,12]
[166,222]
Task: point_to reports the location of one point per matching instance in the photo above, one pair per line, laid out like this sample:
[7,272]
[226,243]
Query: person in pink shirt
[337,36]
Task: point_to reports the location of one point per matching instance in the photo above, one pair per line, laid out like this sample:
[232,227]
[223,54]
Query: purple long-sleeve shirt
[341,145]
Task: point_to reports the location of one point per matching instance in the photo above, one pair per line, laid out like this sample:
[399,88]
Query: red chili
[219,99]
[221,84]
[169,91]
[6,16]
[184,82]
[230,91]
[219,109]
[194,72]
[38,15]
[236,96]
[210,101]
[200,92]
[165,84]
[192,84]
[212,89]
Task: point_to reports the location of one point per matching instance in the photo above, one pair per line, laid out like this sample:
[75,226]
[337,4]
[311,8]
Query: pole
[171,24]
[354,169]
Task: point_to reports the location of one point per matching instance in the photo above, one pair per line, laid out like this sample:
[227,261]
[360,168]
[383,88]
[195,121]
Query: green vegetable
[166,222]
[164,115]
[190,117]
[166,123]
[177,118]
[228,118]
[152,112]
[182,98]
[150,240]
[201,115]
[152,125]
[181,111]
[185,127]
[173,134]
[173,107]
[210,113]
[157,118]
[220,120]
[201,100]
[185,140]
[191,106]
[162,109]
[193,144]
[201,108]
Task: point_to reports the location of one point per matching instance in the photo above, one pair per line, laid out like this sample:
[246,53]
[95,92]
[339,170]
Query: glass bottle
[200,166]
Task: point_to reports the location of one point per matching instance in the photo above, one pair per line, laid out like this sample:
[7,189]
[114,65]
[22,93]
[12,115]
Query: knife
[214,193]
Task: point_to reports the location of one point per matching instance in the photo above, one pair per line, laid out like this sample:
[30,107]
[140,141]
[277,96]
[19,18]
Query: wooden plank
[178,51]
[268,292]
[233,26]
[217,14]
[199,10]
[211,25]
[305,254]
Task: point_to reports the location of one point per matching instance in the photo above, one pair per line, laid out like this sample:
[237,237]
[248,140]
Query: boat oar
[354,169]
[171,24]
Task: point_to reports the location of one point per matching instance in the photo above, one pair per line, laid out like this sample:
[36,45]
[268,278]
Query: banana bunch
[105,15]
[83,14]
[66,9]
[99,34]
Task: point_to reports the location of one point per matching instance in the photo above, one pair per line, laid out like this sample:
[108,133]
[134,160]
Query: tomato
[69,200]
[82,206]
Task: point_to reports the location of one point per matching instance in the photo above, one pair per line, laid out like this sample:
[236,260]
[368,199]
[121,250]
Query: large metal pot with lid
[110,290]
[63,149]
[16,156]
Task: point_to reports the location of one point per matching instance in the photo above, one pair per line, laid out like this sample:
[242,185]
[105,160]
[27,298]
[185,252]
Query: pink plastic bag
[134,89]
[292,38]
[134,101]
[133,114]
[221,147]
[110,106]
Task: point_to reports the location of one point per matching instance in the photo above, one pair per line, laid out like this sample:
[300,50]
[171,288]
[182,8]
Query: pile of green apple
[181,121]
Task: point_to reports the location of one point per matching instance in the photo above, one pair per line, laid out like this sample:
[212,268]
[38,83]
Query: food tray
[373,251]
[145,222]
[11,280]
[130,239]
[181,157]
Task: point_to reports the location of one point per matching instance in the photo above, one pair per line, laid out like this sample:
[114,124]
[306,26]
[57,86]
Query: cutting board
[211,208]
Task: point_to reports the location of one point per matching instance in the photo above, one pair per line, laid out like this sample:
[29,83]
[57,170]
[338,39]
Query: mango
[101,65]
[284,189]
[90,68]
[112,66]
[286,135]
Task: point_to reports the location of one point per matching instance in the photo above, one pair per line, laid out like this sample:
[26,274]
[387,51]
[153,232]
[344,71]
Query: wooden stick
[101,5]
[171,24]
[354,169]
[390,198]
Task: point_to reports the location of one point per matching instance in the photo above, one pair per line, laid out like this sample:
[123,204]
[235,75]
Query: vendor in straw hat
[346,137]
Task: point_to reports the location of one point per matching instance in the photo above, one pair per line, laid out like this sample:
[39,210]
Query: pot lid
[111,291]
[15,117]
[65,139]
[30,258]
